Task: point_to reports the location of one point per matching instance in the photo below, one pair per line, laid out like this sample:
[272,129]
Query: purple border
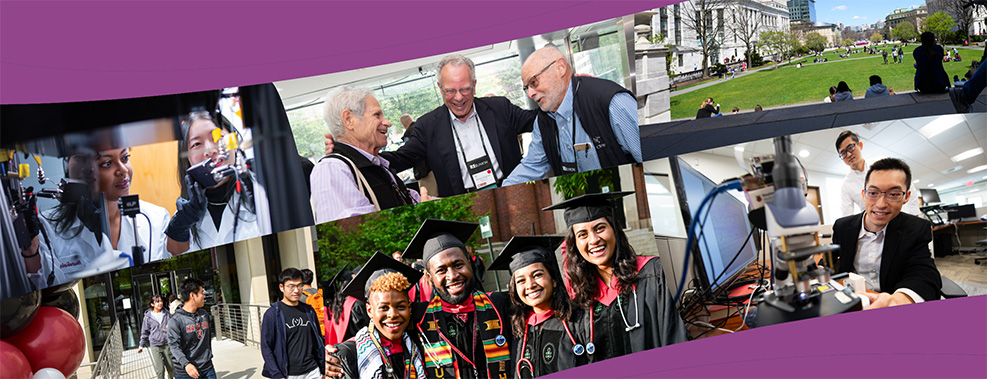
[58,51]
[61,51]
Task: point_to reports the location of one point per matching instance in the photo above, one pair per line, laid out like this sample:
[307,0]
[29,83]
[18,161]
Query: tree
[904,31]
[847,42]
[815,41]
[962,11]
[746,25]
[876,37]
[775,44]
[939,24]
[705,19]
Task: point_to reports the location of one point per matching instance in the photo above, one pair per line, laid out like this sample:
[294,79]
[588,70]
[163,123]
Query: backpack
[315,300]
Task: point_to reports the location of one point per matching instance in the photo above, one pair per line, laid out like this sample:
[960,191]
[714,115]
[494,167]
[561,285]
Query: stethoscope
[637,313]
[577,348]
[500,340]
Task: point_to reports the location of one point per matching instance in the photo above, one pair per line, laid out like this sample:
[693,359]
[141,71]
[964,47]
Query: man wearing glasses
[291,342]
[584,124]
[888,248]
[850,149]
[470,143]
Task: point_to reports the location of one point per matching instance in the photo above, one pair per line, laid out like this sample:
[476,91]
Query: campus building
[913,15]
[972,17]
[832,32]
[727,18]
[802,11]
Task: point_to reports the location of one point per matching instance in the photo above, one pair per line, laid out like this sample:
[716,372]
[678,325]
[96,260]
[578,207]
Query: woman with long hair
[383,349]
[77,233]
[625,294]
[154,336]
[549,333]
[930,76]
[211,212]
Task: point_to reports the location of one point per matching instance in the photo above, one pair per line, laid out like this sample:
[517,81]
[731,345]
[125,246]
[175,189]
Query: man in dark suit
[888,248]
[469,143]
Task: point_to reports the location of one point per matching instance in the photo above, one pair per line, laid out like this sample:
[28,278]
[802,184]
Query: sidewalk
[234,360]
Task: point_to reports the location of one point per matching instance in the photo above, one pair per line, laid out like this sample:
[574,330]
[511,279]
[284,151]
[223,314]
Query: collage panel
[140,180]
[481,118]
[917,182]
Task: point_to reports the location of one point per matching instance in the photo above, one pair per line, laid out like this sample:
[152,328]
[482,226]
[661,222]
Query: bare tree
[703,17]
[746,24]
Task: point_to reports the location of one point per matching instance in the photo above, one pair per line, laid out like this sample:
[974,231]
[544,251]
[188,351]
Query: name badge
[481,170]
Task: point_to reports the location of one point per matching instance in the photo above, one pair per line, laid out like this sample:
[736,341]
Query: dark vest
[591,103]
[389,193]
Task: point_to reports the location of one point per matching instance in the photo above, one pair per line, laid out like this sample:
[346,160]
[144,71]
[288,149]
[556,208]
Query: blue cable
[722,187]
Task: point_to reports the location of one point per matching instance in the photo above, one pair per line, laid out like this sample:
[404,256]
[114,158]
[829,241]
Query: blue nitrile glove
[189,212]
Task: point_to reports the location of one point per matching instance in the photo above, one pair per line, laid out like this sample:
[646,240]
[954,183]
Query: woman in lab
[550,334]
[214,212]
[625,294]
[383,350]
[76,224]
[154,336]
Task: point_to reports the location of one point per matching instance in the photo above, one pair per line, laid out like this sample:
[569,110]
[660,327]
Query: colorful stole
[370,359]
[439,354]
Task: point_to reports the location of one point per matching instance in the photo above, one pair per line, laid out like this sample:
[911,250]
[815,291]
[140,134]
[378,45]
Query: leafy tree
[341,242]
[876,37]
[904,31]
[775,44]
[815,41]
[938,23]
[847,42]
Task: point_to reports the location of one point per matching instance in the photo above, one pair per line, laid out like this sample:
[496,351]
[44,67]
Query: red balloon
[13,363]
[54,339]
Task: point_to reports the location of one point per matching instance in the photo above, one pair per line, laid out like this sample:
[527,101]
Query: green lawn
[809,84]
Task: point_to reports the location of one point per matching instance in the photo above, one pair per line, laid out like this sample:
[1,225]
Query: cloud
[859,17]
[839,8]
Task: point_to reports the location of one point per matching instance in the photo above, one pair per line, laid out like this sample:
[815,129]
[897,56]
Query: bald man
[583,124]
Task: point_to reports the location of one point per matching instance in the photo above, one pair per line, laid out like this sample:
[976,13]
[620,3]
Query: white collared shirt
[471,131]
[867,262]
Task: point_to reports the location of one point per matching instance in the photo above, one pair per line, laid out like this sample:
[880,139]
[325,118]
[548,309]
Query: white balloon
[48,373]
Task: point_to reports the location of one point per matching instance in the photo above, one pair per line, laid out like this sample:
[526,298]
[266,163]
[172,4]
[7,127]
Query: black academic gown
[548,348]
[461,334]
[346,353]
[358,319]
[660,323]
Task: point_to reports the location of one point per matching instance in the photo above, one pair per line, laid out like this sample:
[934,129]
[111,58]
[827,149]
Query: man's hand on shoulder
[330,142]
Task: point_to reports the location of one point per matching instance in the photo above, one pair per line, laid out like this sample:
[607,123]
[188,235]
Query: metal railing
[239,322]
[108,364]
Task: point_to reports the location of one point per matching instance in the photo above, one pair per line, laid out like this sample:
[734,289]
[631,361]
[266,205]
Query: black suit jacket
[432,140]
[905,261]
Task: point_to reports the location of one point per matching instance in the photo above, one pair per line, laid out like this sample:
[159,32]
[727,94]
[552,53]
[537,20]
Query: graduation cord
[637,313]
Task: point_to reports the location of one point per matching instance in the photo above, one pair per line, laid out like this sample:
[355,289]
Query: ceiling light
[915,181]
[977,169]
[939,125]
[739,148]
[804,153]
[931,185]
[967,154]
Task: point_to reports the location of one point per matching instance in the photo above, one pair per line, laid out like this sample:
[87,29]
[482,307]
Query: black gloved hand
[29,209]
[189,212]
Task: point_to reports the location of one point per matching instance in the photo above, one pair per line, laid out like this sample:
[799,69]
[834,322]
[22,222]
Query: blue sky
[857,12]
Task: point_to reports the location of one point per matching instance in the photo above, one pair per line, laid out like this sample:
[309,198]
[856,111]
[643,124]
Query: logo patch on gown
[527,352]
[548,353]
[452,330]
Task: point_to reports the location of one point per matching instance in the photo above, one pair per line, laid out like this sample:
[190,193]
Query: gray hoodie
[843,96]
[876,90]
[153,332]
[189,340]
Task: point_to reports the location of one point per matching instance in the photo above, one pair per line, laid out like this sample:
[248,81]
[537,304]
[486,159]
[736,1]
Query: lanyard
[462,148]
[559,138]
[380,349]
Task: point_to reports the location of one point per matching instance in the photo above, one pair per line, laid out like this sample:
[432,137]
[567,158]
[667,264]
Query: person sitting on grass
[843,92]
[707,110]
[877,89]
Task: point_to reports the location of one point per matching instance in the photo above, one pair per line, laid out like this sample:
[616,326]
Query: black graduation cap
[435,236]
[332,286]
[588,207]
[378,265]
[522,251]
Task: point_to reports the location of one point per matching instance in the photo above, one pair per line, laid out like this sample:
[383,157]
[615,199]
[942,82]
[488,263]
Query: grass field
[809,84]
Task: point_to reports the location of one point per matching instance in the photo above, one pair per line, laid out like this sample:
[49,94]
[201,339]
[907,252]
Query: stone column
[652,80]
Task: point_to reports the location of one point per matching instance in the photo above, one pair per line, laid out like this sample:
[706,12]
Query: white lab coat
[247,227]
[75,255]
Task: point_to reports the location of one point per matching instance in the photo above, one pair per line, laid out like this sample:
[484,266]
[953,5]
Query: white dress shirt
[867,262]
[469,132]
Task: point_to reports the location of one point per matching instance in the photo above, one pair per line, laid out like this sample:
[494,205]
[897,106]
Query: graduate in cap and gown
[463,330]
[625,294]
[383,349]
[345,314]
[546,337]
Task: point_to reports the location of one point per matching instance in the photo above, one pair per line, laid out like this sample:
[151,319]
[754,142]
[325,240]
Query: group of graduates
[603,301]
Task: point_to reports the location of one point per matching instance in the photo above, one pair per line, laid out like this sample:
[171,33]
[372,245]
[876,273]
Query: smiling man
[888,248]
[291,326]
[354,179]
[464,331]
[850,148]
[585,123]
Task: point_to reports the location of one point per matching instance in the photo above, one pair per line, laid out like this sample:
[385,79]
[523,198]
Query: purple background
[73,51]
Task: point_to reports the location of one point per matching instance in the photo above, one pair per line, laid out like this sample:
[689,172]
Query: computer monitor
[930,196]
[725,235]
[963,212]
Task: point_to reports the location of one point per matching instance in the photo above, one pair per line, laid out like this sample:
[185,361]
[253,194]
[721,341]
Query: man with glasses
[850,149]
[584,123]
[291,342]
[888,248]
[469,143]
